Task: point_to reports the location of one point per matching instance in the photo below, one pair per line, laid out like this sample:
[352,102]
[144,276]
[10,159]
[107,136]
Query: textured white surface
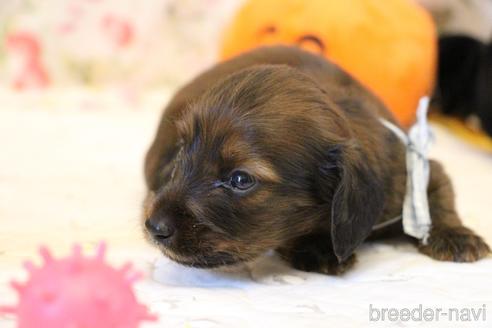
[71,171]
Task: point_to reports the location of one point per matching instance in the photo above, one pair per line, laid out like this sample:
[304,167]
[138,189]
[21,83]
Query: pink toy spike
[45,254]
[78,291]
[134,277]
[29,266]
[145,315]
[125,269]
[77,251]
[17,286]
[8,309]
[101,251]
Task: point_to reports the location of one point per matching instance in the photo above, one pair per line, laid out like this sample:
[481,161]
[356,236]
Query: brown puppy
[280,149]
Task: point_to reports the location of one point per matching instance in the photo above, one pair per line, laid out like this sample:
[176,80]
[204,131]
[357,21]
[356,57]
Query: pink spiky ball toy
[78,292]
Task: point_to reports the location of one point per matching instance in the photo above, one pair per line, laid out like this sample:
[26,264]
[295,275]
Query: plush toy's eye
[269,29]
[241,180]
[311,42]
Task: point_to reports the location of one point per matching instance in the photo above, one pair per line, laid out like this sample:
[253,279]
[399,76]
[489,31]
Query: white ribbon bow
[416,216]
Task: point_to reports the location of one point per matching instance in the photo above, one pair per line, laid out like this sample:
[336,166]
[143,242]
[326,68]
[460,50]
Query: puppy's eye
[241,180]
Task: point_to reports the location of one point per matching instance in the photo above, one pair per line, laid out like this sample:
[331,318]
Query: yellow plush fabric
[465,131]
[388,45]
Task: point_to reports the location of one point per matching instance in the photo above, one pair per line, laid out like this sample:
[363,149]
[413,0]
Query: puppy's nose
[159,228]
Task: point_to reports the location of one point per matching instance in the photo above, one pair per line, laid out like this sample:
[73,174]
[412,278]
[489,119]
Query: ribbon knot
[416,215]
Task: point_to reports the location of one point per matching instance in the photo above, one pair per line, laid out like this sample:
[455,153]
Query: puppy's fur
[326,169]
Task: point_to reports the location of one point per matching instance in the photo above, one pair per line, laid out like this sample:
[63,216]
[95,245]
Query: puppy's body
[321,170]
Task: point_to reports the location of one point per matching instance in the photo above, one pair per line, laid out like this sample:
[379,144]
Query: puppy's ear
[356,197]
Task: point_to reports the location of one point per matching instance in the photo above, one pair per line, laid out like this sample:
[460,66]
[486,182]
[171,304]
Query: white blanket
[71,171]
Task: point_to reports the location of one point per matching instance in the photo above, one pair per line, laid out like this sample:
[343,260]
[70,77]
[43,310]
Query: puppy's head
[263,157]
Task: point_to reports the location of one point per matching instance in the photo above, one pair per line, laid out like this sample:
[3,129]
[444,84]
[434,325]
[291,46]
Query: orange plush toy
[388,45]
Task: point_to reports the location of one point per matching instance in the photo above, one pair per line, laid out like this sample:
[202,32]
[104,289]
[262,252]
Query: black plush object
[465,78]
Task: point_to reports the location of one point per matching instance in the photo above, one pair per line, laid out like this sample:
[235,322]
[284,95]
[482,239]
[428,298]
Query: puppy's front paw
[317,261]
[457,244]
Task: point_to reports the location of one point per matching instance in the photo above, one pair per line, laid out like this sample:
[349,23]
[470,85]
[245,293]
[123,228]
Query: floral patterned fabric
[137,44]
[108,42]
